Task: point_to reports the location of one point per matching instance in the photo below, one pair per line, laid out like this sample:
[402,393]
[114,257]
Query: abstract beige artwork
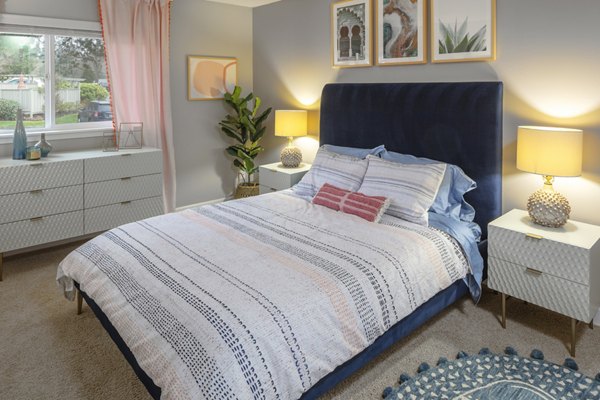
[209,78]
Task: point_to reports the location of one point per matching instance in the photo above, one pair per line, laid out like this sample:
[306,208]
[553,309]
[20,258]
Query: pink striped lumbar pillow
[370,208]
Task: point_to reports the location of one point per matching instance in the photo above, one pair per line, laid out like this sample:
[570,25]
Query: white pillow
[410,187]
[342,171]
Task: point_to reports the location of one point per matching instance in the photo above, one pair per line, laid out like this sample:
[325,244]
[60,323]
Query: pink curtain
[136,39]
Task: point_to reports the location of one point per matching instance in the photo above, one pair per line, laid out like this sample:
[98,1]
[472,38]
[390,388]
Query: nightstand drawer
[274,179]
[265,189]
[556,294]
[39,203]
[124,189]
[555,258]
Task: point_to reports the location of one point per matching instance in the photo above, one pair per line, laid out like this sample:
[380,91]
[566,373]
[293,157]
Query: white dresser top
[574,233]
[73,155]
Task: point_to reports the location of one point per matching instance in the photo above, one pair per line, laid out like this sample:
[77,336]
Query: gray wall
[199,27]
[548,56]
[84,10]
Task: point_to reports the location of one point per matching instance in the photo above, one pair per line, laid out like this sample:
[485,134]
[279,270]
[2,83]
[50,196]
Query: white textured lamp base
[548,208]
[291,157]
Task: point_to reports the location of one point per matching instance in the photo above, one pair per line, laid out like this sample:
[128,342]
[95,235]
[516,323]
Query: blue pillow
[455,183]
[354,151]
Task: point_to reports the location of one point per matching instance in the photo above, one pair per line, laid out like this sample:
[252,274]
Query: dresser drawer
[28,233]
[556,294]
[124,189]
[107,217]
[122,165]
[40,175]
[555,258]
[39,203]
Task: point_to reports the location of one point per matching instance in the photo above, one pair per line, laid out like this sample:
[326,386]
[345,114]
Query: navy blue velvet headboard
[458,123]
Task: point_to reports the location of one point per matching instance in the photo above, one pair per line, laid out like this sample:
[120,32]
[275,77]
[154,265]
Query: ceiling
[246,3]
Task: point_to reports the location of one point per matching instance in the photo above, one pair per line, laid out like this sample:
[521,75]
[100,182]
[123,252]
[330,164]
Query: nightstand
[554,268]
[274,177]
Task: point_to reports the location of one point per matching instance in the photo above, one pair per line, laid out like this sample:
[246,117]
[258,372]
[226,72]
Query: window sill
[6,138]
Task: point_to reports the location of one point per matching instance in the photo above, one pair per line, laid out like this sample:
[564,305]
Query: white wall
[548,57]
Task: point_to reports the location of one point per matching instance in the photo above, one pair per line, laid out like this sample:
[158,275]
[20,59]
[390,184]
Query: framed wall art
[463,30]
[209,78]
[401,27]
[351,35]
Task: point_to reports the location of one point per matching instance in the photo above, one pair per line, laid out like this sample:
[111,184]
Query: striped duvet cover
[257,298]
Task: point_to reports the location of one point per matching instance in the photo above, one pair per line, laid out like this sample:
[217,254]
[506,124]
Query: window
[57,77]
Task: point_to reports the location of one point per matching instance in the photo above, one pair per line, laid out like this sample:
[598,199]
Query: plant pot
[246,190]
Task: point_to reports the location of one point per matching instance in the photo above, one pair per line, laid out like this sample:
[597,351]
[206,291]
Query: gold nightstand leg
[503,310]
[79,302]
[573,325]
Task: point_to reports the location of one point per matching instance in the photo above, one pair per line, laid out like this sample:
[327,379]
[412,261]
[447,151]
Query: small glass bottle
[19,138]
[44,146]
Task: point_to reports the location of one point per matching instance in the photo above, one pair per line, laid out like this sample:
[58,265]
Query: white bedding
[258,298]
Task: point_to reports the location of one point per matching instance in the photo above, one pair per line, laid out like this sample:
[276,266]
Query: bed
[458,123]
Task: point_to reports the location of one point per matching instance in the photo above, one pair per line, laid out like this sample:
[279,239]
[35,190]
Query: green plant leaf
[462,31]
[238,164]
[442,49]
[462,46]
[449,44]
[257,103]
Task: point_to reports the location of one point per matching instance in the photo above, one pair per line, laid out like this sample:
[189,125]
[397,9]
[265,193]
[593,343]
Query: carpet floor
[49,352]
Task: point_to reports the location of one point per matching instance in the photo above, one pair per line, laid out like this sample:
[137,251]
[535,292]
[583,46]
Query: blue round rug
[497,376]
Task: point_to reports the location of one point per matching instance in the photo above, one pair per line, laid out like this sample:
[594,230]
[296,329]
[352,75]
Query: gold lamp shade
[291,123]
[549,152]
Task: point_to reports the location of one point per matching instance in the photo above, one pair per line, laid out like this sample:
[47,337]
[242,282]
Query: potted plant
[245,126]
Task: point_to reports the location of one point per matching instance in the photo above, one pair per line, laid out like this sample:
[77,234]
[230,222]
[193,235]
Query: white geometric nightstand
[554,268]
[274,177]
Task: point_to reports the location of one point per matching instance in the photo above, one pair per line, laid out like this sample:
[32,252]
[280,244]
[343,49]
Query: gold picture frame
[209,78]
[463,30]
[401,32]
[351,33]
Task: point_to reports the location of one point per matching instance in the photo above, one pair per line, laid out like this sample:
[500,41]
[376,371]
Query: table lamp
[291,123]
[549,152]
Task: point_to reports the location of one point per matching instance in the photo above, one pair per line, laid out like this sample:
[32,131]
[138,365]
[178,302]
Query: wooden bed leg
[592,324]
[573,325]
[1,257]
[503,310]
[79,302]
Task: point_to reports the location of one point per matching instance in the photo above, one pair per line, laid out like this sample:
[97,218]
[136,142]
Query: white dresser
[555,268]
[274,177]
[72,194]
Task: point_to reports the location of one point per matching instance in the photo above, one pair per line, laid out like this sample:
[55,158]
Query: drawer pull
[125,154]
[36,164]
[533,271]
[534,236]
[36,219]
[126,178]
[38,191]
[125,202]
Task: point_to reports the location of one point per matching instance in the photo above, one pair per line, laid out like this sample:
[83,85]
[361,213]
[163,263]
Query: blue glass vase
[44,146]
[19,138]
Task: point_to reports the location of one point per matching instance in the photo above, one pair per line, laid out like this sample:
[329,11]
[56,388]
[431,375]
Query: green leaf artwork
[457,40]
